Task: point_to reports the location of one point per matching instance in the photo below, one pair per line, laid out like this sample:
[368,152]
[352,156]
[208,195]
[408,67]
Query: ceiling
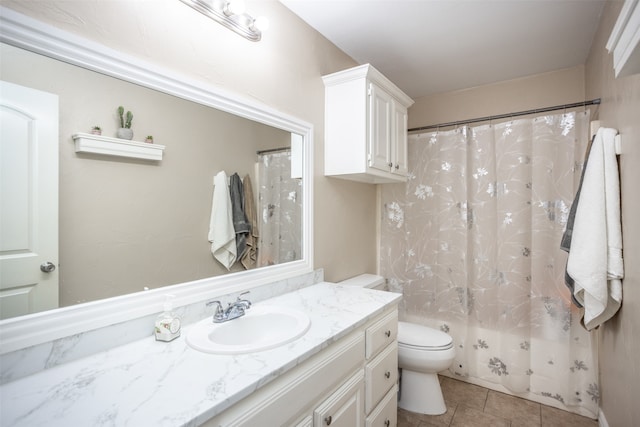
[435,46]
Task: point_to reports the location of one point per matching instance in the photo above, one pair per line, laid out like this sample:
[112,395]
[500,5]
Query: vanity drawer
[386,413]
[380,375]
[306,422]
[381,334]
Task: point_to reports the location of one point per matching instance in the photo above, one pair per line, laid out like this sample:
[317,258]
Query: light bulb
[235,7]
[261,23]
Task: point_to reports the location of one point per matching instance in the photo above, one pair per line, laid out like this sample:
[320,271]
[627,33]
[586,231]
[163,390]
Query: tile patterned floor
[470,405]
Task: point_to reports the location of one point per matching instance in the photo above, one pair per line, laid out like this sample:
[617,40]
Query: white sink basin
[262,327]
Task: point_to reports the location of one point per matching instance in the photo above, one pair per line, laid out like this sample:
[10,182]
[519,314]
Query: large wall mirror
[131,226]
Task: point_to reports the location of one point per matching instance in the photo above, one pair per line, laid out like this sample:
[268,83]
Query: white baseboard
[602,421]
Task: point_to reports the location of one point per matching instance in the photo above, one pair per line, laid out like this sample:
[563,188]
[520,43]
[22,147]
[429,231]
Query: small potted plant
[96,130]
[149,139]
[125,131]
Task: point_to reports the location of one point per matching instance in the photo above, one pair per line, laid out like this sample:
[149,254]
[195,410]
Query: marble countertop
[151,383]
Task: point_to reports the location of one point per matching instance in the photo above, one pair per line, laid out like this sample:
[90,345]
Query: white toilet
[422,353]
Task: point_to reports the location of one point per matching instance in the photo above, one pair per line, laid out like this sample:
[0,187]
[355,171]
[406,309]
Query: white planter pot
[125,133]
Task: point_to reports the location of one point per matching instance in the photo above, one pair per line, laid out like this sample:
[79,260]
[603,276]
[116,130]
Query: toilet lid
[420,336]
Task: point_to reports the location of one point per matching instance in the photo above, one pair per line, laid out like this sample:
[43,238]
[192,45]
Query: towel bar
[618,144]
[595,125]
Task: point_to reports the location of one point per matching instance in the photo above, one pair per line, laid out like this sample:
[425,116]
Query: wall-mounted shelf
[98,144]
[624,41]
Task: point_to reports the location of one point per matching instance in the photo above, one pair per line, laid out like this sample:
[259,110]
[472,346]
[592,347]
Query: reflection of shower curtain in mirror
[472,240]
[279,210]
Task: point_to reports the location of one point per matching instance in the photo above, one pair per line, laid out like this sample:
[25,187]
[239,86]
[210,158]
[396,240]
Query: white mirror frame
[27,33]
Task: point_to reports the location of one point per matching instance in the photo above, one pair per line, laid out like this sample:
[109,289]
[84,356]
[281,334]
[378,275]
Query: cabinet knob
[390,164]
[387,333]
[328,420]
[387,423]
[397,167]
[387,375]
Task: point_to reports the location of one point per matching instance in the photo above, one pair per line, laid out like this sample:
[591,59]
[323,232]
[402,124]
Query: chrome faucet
[233,310]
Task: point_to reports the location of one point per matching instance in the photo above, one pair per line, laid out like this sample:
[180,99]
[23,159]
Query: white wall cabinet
[351,383]
[365,126]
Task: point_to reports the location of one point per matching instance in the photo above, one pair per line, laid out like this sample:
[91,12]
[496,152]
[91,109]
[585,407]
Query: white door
[28,200]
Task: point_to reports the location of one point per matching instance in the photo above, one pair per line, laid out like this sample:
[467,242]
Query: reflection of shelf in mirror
[97,144]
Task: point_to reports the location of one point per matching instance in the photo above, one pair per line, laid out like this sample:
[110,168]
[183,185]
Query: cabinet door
[399,147]
[380,104]
[344,408]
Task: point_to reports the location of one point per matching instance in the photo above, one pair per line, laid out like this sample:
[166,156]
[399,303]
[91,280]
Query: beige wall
[527,93]
[620,337]
[283,71]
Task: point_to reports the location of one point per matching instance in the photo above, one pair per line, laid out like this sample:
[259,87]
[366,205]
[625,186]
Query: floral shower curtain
[472,241]
[279,210]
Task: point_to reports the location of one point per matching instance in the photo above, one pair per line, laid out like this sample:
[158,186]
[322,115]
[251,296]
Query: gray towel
[240,223]
[565,243]
[250,258]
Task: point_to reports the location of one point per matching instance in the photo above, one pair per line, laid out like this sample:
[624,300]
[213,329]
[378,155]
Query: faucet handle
[218,303]
[219,314]
[245,301]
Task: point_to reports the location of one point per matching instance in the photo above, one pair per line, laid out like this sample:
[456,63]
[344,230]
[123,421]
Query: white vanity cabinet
[351,383]
[365,126]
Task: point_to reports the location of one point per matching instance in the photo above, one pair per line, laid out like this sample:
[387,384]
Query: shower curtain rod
[272,150]
[508,115]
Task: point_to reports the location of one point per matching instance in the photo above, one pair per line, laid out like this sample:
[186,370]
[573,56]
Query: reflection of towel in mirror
[595,257]
[221,232]
[240,224]
[250,256]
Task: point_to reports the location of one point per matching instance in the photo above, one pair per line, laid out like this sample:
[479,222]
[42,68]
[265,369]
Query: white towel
[595,258]
[221,232]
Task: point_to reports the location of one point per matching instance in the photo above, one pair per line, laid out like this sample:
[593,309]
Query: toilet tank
[371,281]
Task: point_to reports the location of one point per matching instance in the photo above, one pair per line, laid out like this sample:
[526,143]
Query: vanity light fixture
[231,14]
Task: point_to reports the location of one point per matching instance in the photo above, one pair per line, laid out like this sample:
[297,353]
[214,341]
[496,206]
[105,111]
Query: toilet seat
[420,337]
[425,348]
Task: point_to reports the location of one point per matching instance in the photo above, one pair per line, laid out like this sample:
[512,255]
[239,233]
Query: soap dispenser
[168,323]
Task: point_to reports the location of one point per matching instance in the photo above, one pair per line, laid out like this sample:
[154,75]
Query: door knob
[47,267]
